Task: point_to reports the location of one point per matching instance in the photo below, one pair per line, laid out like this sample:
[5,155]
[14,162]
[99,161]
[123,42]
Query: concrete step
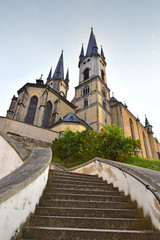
[105,187]
[61,173]
[89,212]
[83,207]
[86,197]
[79,184]
[90,222]
[77,181]
[87,204]
[80,178]
[52,233]
[77,191]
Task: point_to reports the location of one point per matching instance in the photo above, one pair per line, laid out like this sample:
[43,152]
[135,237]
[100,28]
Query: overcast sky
[33,33]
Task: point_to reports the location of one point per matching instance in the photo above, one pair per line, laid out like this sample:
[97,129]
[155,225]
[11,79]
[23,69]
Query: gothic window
[102,75]
[132,128]
[103,92]
[47,115]
[86,90]
[86,74]
[32,110]
[104,104]
[85,102]
[145,145]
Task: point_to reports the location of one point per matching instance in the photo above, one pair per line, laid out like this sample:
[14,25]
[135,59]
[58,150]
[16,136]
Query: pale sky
[33,33]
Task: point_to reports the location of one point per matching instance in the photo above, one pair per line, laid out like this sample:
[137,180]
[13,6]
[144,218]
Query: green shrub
[108,143]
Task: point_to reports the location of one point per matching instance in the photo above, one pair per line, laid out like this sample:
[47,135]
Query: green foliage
[144,162]
[108,143]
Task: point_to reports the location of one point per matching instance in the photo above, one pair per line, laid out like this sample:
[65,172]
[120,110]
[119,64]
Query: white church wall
[9,158]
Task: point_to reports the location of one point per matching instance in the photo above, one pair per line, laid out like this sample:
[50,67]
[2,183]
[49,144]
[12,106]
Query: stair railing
[153,191]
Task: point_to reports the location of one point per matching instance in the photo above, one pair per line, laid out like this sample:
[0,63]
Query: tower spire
[147,122]
[92,45]
[59,71]
[81,56]
[102,53]
[67,76]
[50,74]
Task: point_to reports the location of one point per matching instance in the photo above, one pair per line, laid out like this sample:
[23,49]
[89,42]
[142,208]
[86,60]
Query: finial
[112,94]
[91,28]
[62,50]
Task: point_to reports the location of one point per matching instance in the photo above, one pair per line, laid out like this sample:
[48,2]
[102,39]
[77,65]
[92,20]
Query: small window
[85,102]
[88,60]
[84,63]
[86,90]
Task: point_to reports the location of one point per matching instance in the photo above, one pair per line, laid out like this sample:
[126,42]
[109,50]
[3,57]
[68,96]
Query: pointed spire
[92,45]
[50,74]
[147,122]
[137,119]
[102,53]
[59,71]
[67,76]
[81,56]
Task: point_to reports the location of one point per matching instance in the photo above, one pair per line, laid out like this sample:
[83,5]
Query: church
[45,104]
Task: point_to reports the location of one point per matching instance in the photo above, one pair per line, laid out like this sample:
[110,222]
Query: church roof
[71,117]
[92,45]
[59,71]
[113,99]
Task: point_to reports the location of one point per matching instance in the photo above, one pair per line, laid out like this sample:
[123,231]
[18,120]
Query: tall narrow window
[47,115]
[32,110]
[104,104]
[145,145]
[86,74]
[85,102]
[132,128]
[102,75]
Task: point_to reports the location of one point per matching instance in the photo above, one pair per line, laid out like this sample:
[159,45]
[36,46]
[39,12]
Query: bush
[108,143]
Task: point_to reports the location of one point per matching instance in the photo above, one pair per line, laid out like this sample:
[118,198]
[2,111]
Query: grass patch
[144,162]
[134,160]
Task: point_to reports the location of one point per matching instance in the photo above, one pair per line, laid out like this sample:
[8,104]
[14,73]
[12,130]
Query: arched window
[47,115]
[32,110]
[86,90]
[102,75]
[85,102]
[132,128]
[145,145]
[86,74]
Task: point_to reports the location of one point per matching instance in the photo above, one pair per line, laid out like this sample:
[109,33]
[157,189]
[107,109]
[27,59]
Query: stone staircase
[77,206]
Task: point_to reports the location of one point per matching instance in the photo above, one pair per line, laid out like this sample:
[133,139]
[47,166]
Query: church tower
[57,81]
[92,95]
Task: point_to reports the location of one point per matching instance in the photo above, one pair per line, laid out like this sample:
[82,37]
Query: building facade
[46,105]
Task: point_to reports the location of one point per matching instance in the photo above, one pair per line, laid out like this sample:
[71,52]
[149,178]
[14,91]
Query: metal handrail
[153,191]
[59,166]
